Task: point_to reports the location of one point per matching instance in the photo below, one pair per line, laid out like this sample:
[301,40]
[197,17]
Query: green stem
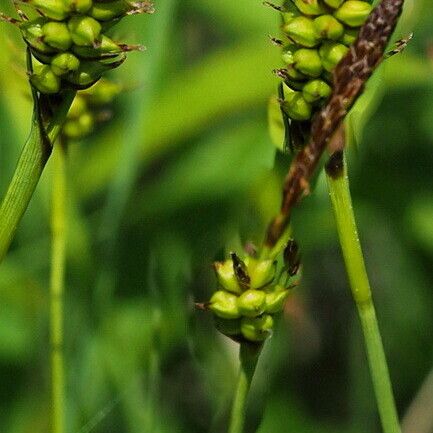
[58,230]
[248,355]
[338,184]
[31,164]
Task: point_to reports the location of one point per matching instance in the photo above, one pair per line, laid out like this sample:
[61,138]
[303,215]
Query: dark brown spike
[349,78]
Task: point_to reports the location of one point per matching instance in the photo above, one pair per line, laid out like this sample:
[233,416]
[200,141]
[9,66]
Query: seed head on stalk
[69,42]
[331,49]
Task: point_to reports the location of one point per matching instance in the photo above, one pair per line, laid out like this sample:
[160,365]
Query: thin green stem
[248,355]
[31,164]
[338,184]
[58,230]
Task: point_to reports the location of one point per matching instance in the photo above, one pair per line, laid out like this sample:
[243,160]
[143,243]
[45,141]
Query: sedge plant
[69,50]
[330,49]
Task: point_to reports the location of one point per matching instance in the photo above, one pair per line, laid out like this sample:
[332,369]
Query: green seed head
[45,80]
[64,63]
[257,329]
[252,303]
[57,35]
[225,305]
[353,12]
[329,27]
[85,31]
[302,31]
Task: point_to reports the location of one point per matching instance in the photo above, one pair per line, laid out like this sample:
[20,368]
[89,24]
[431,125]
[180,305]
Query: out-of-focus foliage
[181,174]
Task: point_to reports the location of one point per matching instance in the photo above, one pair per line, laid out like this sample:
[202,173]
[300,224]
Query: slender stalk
[58,230]
[31,164]
[338,184]
[248,355]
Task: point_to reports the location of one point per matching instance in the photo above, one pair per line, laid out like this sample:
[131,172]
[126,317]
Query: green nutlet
[57,35]
[63,63]
[252,303]
[85,31]
[302,31]
[224,305]
[353,12]
[45,80]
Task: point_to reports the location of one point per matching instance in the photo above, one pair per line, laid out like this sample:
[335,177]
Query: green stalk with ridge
[338,184]
[57,285]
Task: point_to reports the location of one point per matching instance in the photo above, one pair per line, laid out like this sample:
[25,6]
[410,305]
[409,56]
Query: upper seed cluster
[319,34]
[68,40]
[250,294]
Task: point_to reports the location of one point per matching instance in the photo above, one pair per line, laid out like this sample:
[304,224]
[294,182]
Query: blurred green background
[184,172]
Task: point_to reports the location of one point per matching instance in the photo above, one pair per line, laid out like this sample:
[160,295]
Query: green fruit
[297,108]
[57,35]
[261,272]
[224,305]
[106,47]
[331,54]
[84,30]
[226,276]
[88,73]
[328,27]
[334,3]
[107,11]
[33,35]
[64,63]
[252,303]
[307,61]
[45,80]
[78,6]
[257,329]
[54,9]
[315,90]
[302,31]
[310,7]
[275,301]
[353,12]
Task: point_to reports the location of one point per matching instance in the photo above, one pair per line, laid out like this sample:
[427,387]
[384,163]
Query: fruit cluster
[69,43]
[250,295]
[90,107]
[319,34]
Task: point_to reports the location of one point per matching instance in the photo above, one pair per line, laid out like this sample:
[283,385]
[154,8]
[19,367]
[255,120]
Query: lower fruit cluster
[251,293]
